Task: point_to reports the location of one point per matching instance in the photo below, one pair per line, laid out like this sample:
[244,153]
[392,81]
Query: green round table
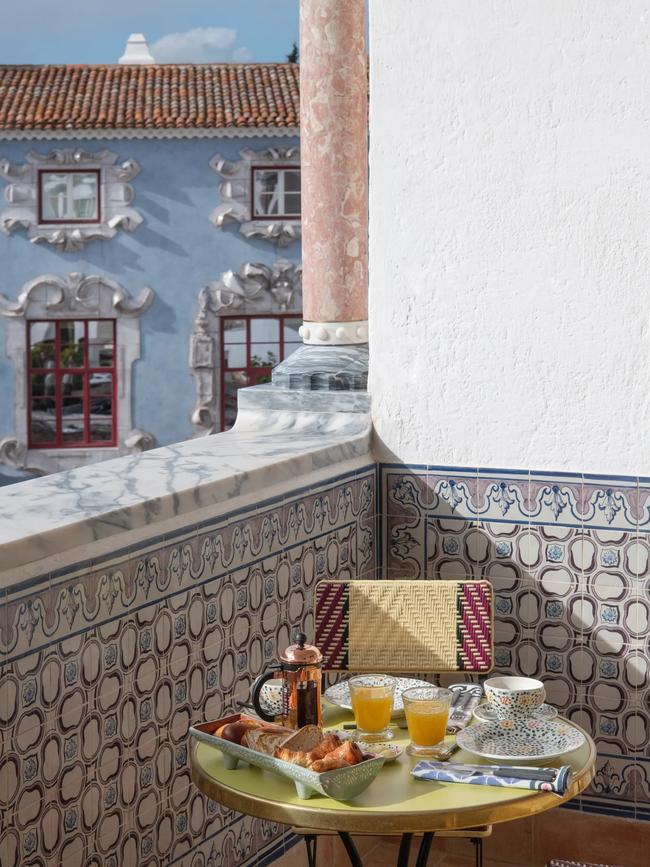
[394,804]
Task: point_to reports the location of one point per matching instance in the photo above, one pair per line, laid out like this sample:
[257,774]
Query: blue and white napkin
[541,779]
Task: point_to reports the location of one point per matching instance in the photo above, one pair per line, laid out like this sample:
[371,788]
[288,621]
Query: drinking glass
[372,703]
[427,711]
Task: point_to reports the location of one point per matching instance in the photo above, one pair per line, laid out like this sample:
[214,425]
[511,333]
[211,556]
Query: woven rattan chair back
[405,626]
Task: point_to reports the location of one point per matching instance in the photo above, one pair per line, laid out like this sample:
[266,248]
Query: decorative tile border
[106,665]
[569,560]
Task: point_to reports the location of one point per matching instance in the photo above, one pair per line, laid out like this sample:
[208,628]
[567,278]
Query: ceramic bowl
[512,697]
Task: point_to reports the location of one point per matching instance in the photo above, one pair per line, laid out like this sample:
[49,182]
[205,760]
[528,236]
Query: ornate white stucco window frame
[78,297]
[116,194]
[236,194]
[255,288]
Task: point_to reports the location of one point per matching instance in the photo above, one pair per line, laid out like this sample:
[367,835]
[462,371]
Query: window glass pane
[100,344]
[43,425]
[101,407]
[264,354]
[234,331]
[43,384]
[291,327]
[232,382]
[72,408]
[265,192]
[261,378]
[71,335]
[69,196]
[84,196]
[292,204]
[235,355]
[42,342]
[43,408]
[101,383]
[292,181]
[264,330]
[54,196]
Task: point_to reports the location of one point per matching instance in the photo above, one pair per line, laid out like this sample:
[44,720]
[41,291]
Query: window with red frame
[69,196]
[251,346]
[276,192]
[71,383]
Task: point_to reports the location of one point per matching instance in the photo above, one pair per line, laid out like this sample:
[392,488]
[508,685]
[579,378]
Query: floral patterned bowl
[512,697]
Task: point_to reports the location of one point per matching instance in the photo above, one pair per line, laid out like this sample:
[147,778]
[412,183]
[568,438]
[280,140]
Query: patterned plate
[526,740]
[339,694]
[485,713]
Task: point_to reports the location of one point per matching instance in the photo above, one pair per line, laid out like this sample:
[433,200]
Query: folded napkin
[465,697]
[542,779]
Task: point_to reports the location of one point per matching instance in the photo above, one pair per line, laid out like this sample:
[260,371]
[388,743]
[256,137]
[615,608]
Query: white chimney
[136,51]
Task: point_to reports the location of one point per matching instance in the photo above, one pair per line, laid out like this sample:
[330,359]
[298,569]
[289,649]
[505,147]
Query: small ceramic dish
[387,751]
[485,713]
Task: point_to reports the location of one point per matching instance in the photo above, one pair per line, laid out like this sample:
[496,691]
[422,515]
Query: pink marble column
[334,171]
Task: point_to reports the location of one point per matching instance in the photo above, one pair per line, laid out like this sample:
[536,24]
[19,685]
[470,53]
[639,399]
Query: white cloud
[201,45]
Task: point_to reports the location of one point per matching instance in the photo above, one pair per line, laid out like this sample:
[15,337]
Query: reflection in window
[251,347]
[276,192]
[71,383]
[69,197]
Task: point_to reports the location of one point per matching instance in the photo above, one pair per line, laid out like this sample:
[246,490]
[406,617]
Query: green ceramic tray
[342,784]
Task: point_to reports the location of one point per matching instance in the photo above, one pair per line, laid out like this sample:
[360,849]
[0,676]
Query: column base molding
[334,333]
[325,368]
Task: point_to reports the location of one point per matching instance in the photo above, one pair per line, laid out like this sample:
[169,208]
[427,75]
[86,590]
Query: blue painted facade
[176,251]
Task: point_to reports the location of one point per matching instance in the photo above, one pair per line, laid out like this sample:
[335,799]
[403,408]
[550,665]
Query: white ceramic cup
[514,696]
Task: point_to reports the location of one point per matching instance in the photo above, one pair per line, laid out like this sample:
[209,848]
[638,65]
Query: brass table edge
[384,823]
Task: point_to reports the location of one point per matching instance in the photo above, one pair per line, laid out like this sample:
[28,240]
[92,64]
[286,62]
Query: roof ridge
[214,63]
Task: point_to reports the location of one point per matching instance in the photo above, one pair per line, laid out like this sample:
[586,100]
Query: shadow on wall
[161,318]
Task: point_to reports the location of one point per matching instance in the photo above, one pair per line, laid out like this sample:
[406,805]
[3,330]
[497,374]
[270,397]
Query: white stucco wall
[509,232]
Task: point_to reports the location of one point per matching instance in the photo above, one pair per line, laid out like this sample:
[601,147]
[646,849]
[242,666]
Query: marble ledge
[50,522]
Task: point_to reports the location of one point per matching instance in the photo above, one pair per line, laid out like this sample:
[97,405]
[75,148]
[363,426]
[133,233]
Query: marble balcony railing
[140,595]
[143,594]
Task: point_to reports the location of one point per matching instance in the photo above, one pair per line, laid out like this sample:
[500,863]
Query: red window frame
[253,372]
[59,372]
[55,171]
[261,168]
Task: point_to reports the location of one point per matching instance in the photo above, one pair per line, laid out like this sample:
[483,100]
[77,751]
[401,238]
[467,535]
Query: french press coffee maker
[300,670]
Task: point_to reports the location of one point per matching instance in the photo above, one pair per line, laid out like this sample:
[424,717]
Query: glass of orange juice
[372,703]
[427,711]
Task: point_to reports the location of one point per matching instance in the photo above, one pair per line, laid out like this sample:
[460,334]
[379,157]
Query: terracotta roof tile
[170,96]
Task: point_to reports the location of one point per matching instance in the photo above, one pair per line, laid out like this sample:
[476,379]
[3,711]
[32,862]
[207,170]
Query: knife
[516,773]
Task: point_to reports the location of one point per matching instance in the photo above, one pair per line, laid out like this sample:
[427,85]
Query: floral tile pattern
[103,670]
[569,559]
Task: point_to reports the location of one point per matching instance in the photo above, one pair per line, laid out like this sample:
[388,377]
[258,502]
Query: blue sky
[95,31]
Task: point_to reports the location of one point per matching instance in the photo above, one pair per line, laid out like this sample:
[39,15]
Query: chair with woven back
[405,627]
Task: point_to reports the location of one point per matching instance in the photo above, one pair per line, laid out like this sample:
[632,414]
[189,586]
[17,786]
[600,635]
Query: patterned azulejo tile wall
[106,665]
[569,559]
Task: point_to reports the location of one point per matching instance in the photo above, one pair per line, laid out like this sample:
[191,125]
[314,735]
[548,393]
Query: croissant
[295,757]
[327,745]
[347,754]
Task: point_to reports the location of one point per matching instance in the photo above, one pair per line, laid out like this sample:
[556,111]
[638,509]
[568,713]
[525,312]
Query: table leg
[478,845]
[351,849]
[404,850]
[311,841]
[425,848]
